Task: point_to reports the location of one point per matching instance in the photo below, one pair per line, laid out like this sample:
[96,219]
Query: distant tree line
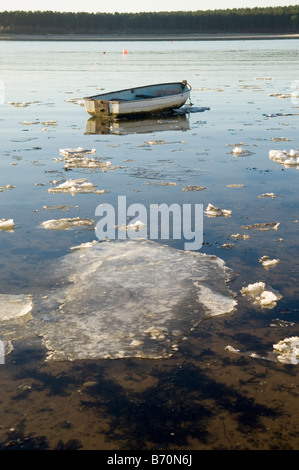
[239,20]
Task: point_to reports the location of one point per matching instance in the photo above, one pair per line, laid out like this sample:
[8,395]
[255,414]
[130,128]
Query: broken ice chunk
[76,151]
[67,223]
[265,226]
[261,295]
[74,186]
[212,211]
[235,185]
[84,245]
[19,105]
[232,349]
[290,159]
[287,350]
[237,151]
[7,186]
[271,195]
[267,262]
[121,300]
[194,188]
[7,225]
[14,307]
[239,235]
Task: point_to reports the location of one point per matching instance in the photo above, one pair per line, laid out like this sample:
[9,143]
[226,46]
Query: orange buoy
[125,51]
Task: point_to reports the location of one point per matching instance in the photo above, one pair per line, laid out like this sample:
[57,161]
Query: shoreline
[145,37]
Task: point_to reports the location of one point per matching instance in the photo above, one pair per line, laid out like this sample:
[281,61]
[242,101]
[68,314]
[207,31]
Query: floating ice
[191,109]
[88,163]
[7,186]
[7,225]
[268,263]
[290,159]
[19,105]
[78,101]
[262,78]
[45,123]
[287,350]
[119,299]
[138,225]
[236,185]
[67,223]
[14,307]
[240,235]
[84,245]
[281,95]
[271,195]
[238,151]
[76,151]
[74,186]
[212,211]
[193,188]
[231,349]
[264,226]
[76,158]
[261,295]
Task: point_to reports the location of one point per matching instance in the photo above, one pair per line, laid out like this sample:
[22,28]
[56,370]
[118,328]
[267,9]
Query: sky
[136,6]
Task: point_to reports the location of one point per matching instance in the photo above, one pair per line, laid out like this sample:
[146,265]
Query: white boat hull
[128,102]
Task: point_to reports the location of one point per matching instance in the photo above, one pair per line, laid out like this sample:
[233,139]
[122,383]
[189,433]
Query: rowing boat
[150,99]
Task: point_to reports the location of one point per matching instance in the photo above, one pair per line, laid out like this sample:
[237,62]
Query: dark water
[204,397]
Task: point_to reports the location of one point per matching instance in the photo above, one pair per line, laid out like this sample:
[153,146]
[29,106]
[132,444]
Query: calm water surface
[204,397]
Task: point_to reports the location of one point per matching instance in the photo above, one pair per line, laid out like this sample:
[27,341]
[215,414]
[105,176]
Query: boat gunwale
[97,97]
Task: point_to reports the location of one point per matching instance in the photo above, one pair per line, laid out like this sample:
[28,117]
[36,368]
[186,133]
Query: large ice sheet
[133,298]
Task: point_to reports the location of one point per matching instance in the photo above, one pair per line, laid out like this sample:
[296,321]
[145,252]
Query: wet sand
[204,398]
[145,37]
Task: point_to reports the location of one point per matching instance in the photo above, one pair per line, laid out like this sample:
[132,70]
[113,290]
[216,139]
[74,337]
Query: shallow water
[205,396]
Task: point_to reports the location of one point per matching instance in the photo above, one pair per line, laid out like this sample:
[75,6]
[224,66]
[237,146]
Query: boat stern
[96,107]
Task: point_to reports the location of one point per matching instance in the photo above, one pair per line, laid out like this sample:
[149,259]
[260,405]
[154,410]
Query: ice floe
[232,349]
[238,151]
[138,225]
[281,95]
[264,226]
[288,159]
[263,78]
[261,295]
[241,185]
[77,101]
[87,163]
[67,223]
[118,299]
[79,151]
[268,263]
[75,186]
[193,188]
[213,211]
[52,122]
[270,195]
[7,186]
[287,350]
[242,236]
[83,246]
[23,104]
[7,225]
[14,307]
[78,158]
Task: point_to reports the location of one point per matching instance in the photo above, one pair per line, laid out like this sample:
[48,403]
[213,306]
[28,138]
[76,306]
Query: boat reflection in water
[137,126]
